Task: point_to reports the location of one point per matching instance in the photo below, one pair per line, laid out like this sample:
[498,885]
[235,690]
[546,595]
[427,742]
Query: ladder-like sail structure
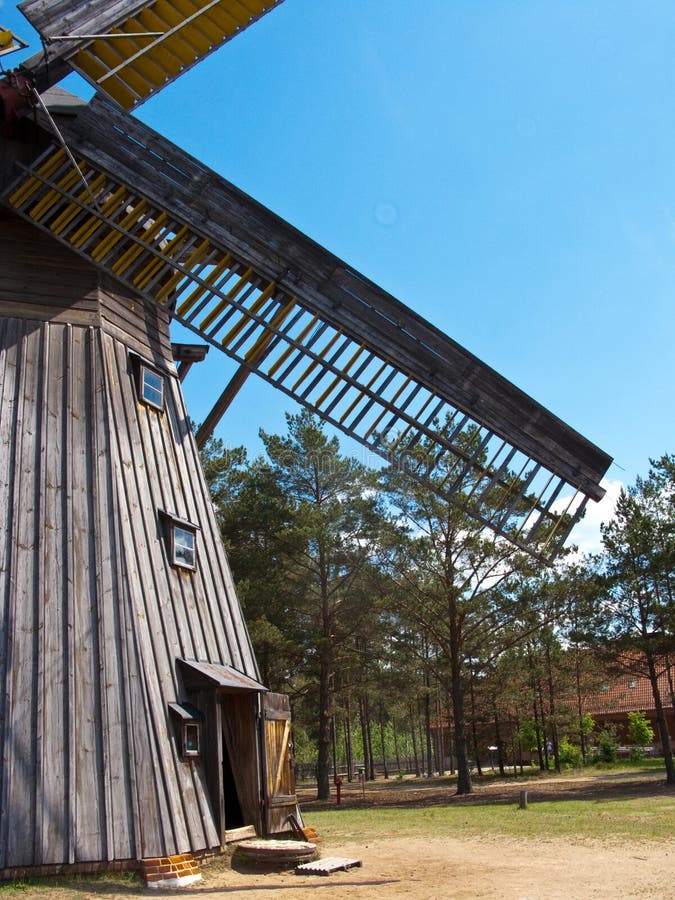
[285,308]
[130,50]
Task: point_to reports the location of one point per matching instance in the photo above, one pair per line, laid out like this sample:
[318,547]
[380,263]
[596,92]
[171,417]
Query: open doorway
[240,766]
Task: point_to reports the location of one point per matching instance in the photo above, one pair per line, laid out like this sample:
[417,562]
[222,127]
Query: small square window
[151,387]
[191,739]
[180,536]
[188,721]
[183,546]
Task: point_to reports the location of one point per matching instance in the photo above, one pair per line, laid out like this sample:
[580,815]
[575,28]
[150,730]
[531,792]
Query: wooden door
[280,799]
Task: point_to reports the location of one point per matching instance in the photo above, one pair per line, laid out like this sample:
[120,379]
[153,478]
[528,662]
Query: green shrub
[640,732]
[607,743]
[569,755]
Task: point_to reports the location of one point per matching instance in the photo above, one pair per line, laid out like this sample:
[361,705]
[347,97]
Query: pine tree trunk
[323,762]
[551,709]
[474,731]
[384,749]
[580,708]
[425,766]
[671,683]
[349,749]
[438,735]
[333,743]
[396,753]
[369,734]
[413,727]
[661,719]
[500,745]
[464,785]
[427,723]
[364,736]
[325,672]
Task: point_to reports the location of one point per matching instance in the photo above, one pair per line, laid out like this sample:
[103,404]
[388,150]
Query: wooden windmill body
[133,724]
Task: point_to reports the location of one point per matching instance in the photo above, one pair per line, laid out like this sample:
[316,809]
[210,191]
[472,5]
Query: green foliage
[640,733]
[607,742]
[640,560]
[529,733]
[367,595]
[586,724]
[570,755]
[304,748]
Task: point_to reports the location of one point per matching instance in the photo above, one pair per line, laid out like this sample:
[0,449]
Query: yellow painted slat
[108,54]
[165,61]
[197,257]
[273,369]
[114,236]
[263,341]
[148,273]
[143,63]
[385,411]
[52,196]
[316,362]
[131,69]
[206,287]
[362,394]
[46,170]
[236,329]
[223,304]
[88,228]
[243,281]
[339,378]
[138,246]
[67,216]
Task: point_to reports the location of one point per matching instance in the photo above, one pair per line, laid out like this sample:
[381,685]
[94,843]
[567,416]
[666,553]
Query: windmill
[131,695]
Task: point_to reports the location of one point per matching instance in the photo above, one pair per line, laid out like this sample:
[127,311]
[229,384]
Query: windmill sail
[285,308]
[130,50]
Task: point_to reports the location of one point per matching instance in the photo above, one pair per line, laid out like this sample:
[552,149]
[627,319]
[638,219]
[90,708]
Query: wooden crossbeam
[131,49]
[365,363]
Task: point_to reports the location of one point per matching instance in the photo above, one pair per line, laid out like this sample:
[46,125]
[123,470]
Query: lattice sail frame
[221,284]
[154,42]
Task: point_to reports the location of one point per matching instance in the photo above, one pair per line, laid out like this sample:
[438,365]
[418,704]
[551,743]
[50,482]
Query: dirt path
[447,868]
[479,868]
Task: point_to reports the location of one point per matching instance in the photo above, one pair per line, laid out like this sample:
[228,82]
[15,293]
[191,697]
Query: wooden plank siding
[93,616]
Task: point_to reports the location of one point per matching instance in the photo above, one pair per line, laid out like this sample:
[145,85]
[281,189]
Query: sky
[504,167]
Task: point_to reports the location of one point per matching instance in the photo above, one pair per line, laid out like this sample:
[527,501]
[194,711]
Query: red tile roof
[627,693]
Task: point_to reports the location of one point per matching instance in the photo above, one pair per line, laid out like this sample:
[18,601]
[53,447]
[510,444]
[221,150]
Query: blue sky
[505,168]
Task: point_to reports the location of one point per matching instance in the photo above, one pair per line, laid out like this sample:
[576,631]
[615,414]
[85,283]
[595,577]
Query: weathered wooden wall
[92,616]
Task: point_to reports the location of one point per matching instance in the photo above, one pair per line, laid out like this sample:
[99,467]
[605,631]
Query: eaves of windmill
[132,721]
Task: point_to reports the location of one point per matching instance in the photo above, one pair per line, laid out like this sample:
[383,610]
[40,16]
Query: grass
[633,820]
[74,886]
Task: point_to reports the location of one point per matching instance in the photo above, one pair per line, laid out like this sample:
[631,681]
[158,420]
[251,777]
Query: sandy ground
[451,868]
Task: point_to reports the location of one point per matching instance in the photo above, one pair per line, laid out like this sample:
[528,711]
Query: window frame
[189,721]
[186,529]
[194,728]
[171,523]
[139,368]
[145,369]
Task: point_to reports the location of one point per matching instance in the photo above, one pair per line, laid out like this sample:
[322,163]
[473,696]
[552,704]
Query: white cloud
[586,535]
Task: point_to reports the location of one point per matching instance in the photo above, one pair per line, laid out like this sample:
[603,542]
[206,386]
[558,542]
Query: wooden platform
[328,865]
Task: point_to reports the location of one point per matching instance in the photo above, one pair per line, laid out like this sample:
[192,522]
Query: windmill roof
[62,102]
